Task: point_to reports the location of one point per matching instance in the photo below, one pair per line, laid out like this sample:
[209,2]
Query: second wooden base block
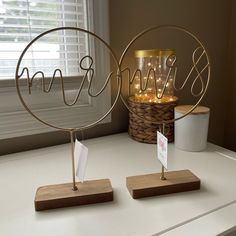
[151,185]
[62,195]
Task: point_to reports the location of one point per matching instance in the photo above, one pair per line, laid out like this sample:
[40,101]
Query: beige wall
[210,20]
[230,124]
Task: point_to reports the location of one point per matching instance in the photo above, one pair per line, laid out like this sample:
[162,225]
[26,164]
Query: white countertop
[208,211]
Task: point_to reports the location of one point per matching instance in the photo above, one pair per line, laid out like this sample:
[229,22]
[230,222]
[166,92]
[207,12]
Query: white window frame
[15,121]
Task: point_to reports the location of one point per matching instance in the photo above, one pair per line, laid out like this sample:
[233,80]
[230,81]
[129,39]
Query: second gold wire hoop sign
[139,110]
[170,64]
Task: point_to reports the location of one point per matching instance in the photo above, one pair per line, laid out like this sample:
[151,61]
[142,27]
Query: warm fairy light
[154,82]
[151,98]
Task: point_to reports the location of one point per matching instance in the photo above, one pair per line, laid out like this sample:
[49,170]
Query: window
[20,22]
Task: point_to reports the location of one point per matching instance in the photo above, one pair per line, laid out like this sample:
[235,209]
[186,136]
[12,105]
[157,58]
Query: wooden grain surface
[62,195]
[198,110]
[151,185]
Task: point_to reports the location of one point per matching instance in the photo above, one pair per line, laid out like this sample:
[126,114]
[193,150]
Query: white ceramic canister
[192,130]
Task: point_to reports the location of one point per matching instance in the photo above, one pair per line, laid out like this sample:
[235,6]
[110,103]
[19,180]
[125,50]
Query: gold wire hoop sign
[171,67]
[88,70]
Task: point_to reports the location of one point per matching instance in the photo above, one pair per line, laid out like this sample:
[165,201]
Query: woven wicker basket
[144,130]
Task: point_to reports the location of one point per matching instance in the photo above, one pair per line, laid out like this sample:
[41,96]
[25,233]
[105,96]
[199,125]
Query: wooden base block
[151,185]
[62,195]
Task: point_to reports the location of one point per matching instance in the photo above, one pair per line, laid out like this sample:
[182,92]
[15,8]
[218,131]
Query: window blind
[23,20]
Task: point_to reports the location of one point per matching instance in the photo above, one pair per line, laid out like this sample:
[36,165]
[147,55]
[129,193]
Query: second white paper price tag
[162,144]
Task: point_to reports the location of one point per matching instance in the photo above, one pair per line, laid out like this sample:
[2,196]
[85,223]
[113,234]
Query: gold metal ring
[171,27]
[118,76]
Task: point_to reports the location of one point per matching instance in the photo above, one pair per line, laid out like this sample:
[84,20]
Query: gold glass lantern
[152,94]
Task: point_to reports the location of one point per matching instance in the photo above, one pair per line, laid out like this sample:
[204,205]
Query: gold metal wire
[84,79]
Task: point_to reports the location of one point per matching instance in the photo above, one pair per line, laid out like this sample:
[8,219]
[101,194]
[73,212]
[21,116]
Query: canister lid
[153,53]
[198,110]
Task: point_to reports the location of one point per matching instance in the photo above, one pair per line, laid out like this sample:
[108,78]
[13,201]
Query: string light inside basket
[153,80]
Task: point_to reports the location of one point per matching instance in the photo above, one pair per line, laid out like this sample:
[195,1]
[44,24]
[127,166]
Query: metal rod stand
[162,173]
[74,188]
[162,167]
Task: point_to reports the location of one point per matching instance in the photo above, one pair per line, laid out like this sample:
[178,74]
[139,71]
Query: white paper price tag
[162,144]
[81,156]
